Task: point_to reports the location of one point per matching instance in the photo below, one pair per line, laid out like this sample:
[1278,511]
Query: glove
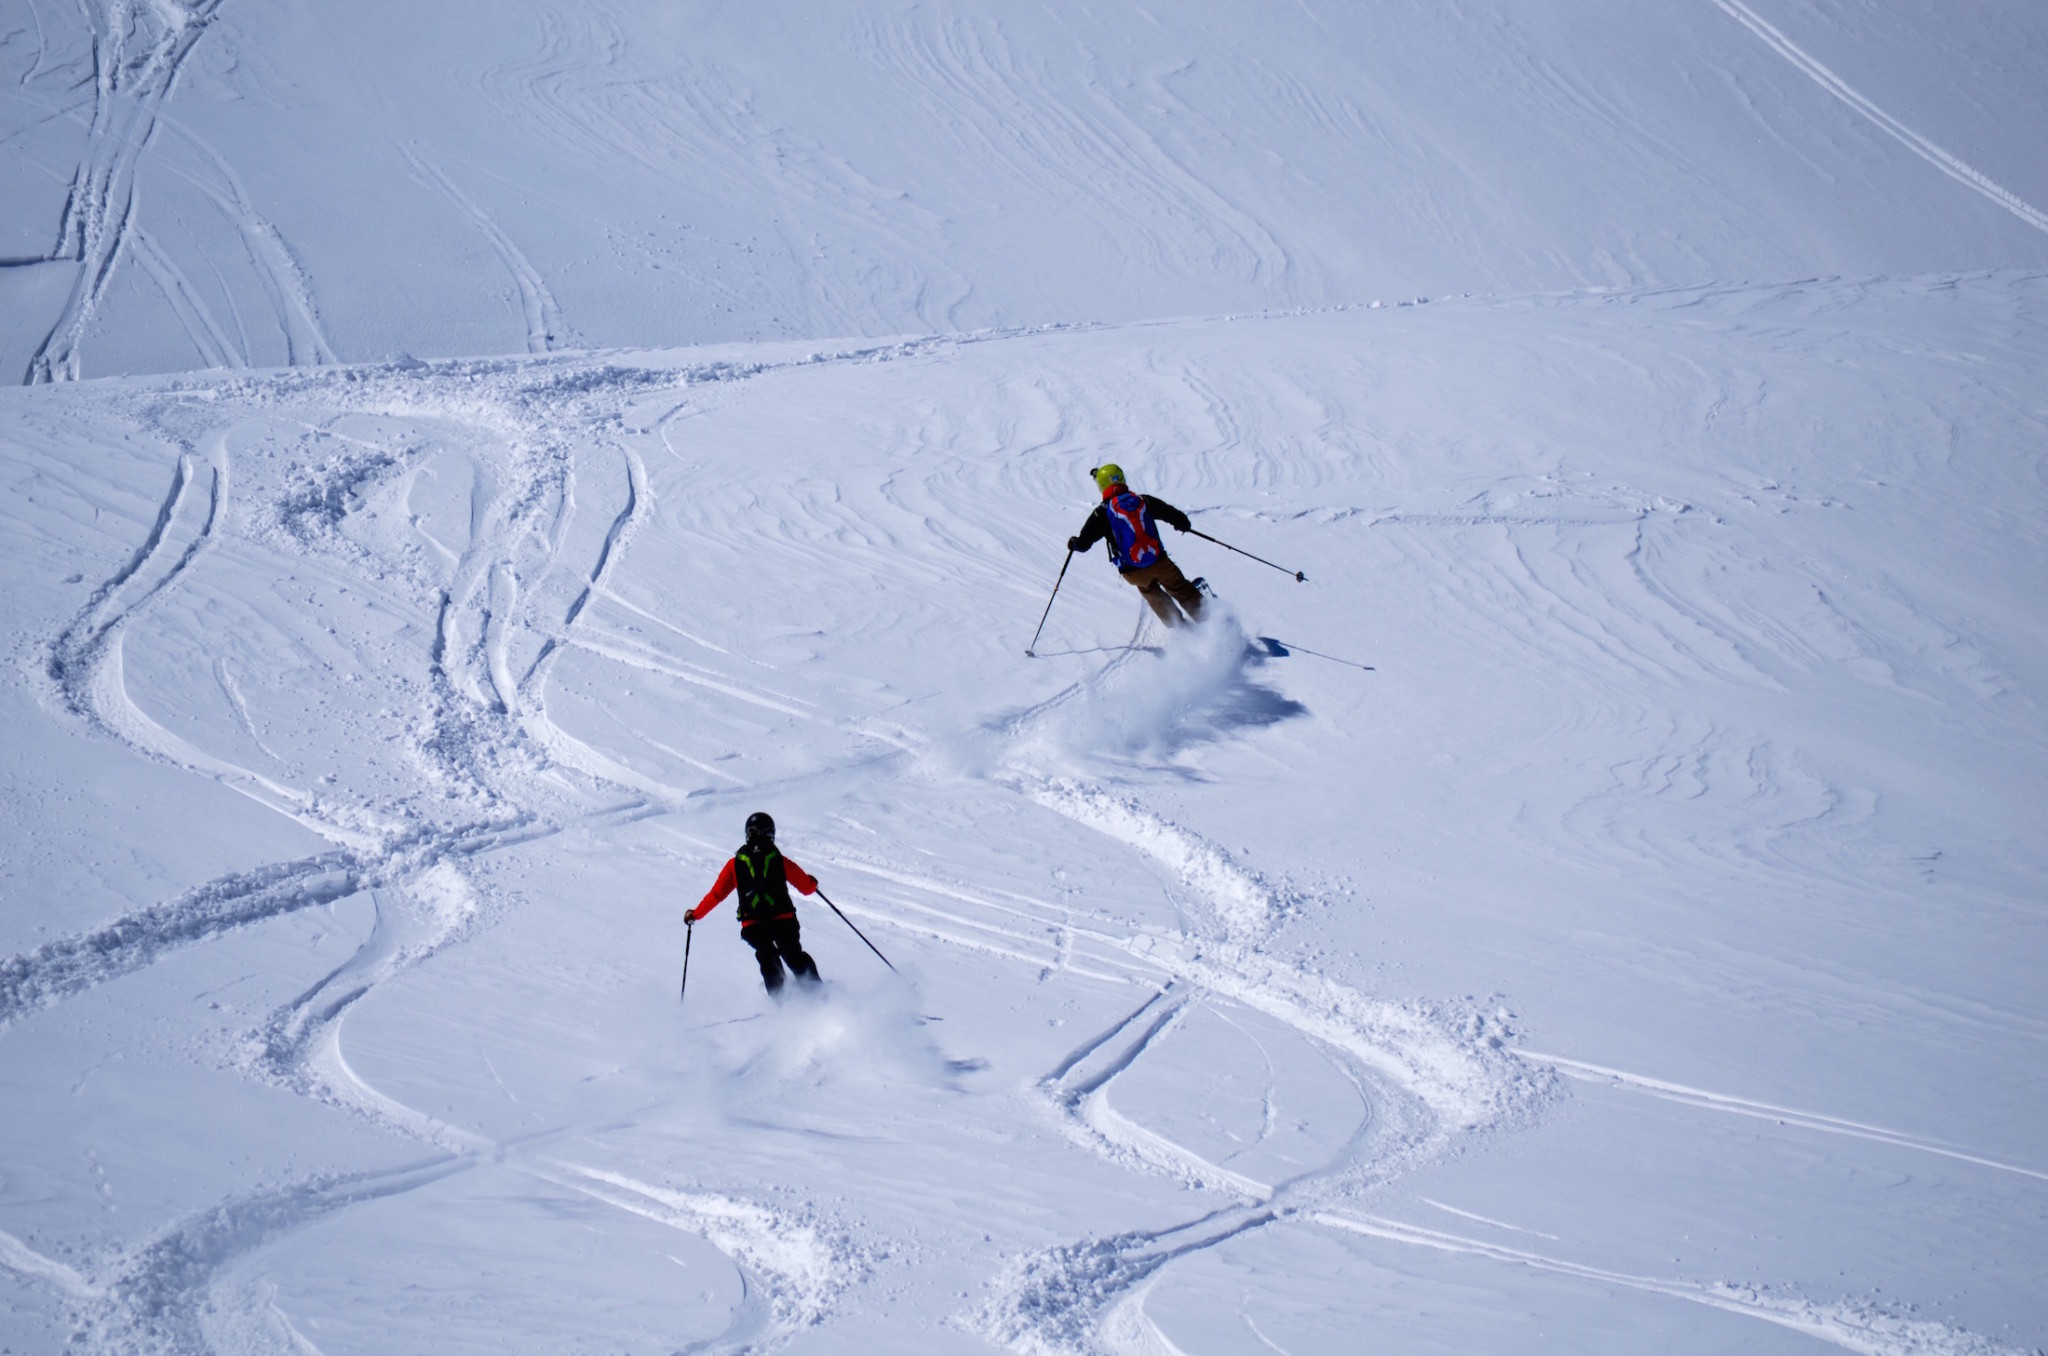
[690,919]
[1074,544]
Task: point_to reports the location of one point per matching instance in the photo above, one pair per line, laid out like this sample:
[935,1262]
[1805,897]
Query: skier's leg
[787,941]
[1146,581]
[762,938]
[1176,586]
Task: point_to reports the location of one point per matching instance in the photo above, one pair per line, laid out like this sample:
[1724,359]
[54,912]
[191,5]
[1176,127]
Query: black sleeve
[1095,529]
[1167,513]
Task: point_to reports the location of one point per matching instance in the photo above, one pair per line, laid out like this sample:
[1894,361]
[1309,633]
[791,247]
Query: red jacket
[728,881]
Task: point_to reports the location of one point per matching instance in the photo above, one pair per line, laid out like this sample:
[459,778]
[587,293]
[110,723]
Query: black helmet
[760,827]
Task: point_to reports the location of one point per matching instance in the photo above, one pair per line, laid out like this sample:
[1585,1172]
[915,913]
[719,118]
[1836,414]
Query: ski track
[543,317]
[301,1047]
[69,966]
[288,289]
[25,1261]
[1427,1076]
[1766,1111]
[422,900]
[158,1296]
[86,662]
[214,347]
[1060,1300]
[484,735]
[1853,1327]
[798,1267]
[1892,127]
[1247,906]
[137,53]
[1421,1082]
[1423,1078]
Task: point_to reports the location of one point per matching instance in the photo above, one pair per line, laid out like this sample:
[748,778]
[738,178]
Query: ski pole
[1041,623]
[1298,575]
[689,934]
[856,931]
[1288,645]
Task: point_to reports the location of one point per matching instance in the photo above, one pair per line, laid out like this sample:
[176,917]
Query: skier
[767,915]
[1125,520]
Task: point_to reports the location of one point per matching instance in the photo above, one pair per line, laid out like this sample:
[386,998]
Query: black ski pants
[775,941]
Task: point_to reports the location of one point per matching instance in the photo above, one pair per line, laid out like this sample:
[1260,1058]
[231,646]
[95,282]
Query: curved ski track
[484,737]
[509,602]
[1422,1077]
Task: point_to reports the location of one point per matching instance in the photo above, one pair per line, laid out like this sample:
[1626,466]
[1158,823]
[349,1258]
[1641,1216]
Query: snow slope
[1600,910]
[196,184]
[1644,952]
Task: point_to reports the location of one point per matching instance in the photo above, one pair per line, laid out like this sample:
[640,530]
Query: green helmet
[1107,474]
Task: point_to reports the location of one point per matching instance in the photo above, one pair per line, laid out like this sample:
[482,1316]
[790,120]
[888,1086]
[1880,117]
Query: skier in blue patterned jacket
[1129,522]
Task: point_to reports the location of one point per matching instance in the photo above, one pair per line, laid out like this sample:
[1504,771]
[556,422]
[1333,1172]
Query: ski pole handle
[689,935]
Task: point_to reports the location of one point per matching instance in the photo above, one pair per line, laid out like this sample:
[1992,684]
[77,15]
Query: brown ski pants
[1168,591]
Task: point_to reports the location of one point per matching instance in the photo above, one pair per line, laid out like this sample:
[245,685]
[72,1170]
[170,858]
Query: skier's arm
[798,877]
[1167,513]
[1092,531]
[727,882]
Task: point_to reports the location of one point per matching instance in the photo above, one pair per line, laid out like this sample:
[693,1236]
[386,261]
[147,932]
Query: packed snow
[468,460]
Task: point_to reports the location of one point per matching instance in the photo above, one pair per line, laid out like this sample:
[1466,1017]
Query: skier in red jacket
[767,914]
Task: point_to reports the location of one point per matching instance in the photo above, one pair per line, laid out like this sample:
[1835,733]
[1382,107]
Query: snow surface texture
[1660,745]
[1601,910]
[194,183]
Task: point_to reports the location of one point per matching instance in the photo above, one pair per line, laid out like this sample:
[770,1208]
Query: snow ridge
[71,965]
[1246,906]
[1055,1302]
[157,1297]
[23,1260]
